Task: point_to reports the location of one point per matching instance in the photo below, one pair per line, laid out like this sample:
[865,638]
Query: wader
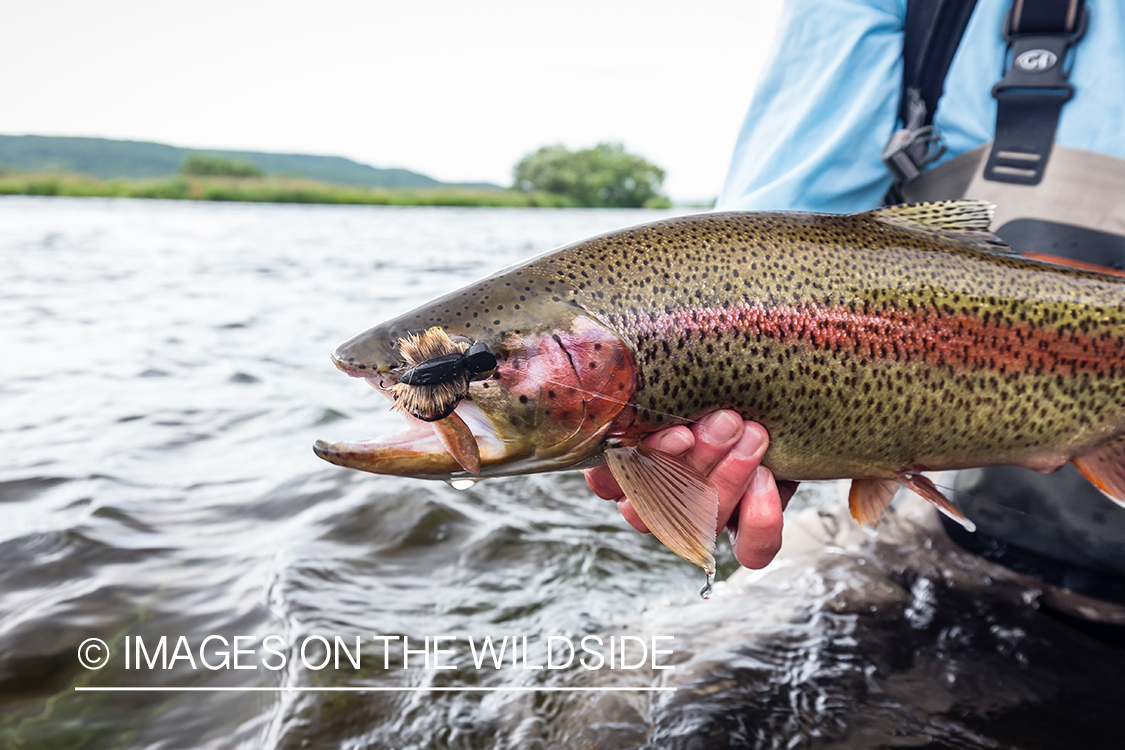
[1050,200]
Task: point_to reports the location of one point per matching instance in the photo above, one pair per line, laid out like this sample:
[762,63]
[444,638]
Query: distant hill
[109,159]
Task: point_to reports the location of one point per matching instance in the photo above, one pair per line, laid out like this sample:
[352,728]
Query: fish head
[562,380]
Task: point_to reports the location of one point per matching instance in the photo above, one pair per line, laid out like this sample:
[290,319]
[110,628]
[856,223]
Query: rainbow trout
[873,347]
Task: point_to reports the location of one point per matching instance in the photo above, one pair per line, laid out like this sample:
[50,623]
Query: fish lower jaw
[419,451]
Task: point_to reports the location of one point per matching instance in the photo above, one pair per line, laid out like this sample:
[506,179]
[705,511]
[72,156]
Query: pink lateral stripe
[939,339]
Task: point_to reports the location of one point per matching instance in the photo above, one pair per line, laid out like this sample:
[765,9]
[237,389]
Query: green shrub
[605,176]
[206,165]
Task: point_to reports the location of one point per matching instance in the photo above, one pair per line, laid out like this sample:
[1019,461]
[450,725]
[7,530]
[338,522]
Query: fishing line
[976,497]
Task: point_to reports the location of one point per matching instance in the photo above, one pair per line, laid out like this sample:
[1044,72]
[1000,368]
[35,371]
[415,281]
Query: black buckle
[908,152]
[1029,98]
[911,148]
[1038,60]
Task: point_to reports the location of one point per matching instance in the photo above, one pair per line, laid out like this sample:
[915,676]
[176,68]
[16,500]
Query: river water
[164,372]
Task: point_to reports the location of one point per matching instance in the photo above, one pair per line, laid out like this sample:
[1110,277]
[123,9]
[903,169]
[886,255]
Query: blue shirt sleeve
[822,111]
[828,97]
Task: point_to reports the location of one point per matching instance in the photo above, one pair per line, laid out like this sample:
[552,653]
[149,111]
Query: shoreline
[269,189]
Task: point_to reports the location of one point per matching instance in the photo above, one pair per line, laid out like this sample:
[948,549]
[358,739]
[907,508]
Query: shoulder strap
[931,34]
[1035,86]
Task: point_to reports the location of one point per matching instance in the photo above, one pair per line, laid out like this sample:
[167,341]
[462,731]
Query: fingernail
[760,481]
[750,442]
[674,442]
[720,427]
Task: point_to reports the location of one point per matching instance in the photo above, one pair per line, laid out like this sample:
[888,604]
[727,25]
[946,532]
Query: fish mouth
[419,451]
[376,376]
[536,412]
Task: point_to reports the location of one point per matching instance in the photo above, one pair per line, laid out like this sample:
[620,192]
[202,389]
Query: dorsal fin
[966,221]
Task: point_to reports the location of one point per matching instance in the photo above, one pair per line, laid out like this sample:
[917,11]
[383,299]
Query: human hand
[728,451]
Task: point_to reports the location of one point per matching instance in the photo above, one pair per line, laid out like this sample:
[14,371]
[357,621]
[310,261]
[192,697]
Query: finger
[731,476]
[601,481]
[759,522]
[785,490]
[630,515]
[674,440]
[714,436]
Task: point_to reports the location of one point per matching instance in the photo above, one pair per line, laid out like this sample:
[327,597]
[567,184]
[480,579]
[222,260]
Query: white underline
[373,689]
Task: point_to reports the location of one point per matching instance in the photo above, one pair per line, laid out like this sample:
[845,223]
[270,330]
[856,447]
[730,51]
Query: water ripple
[165,373]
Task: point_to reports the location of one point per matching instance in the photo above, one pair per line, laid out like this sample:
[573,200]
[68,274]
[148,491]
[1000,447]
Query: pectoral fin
[1105,468]
[678,505]
[459,441]
[869,498]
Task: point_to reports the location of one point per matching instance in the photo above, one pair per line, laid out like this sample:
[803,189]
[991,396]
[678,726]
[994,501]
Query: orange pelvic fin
[869,499]
[924,487]
[1105,468]
[459,441]
[679,505]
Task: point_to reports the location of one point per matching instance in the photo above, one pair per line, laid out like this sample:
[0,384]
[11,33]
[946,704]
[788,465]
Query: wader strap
[1081,188]
[931,33]
[1034,88]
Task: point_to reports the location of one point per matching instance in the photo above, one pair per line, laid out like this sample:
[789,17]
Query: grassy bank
[266,190]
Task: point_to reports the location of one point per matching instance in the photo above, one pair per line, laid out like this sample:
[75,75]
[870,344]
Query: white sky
[456,90]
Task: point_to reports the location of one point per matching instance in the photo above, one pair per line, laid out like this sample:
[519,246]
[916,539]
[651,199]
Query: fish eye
[460,338]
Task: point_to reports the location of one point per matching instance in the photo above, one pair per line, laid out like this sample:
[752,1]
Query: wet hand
[729,452]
